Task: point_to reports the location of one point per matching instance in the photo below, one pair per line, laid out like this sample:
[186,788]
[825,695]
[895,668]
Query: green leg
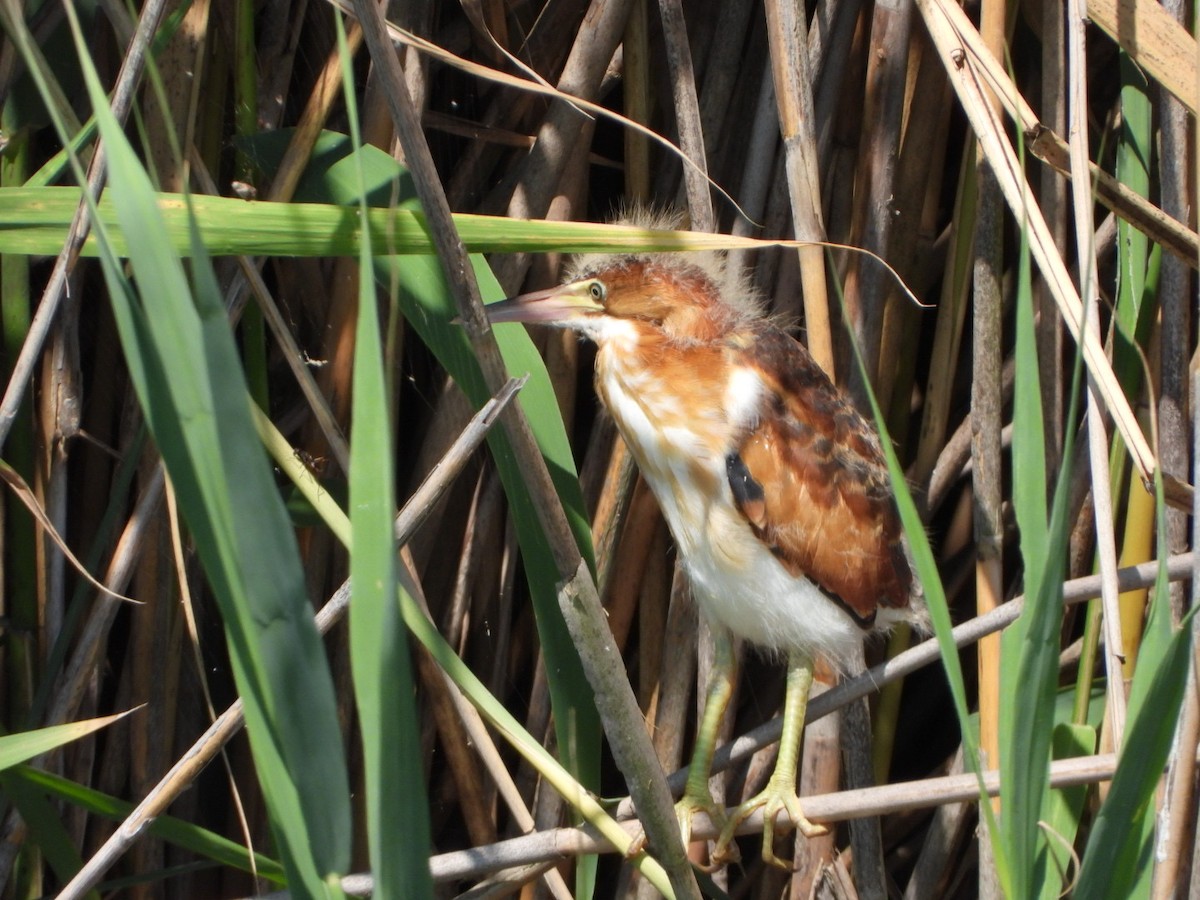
[780,792]
[696,796]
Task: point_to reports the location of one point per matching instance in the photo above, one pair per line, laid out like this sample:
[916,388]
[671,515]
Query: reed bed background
[292,168]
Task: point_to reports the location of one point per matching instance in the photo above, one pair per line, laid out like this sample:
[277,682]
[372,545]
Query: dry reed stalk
[687,115]
[875,215]
[841,806]
[636,90]
[986,424]
[1155,40]
[794,94]
[1097,437]
[811,856]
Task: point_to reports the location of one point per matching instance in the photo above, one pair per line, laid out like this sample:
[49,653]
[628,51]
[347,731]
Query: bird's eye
[596,289]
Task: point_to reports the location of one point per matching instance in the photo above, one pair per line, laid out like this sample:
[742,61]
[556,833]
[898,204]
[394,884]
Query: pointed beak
[561,305]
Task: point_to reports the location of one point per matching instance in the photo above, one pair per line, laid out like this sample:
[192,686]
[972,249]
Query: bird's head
[664,292]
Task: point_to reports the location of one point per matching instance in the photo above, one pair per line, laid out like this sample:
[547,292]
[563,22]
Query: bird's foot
[776,798]
[685,809]
[700,802]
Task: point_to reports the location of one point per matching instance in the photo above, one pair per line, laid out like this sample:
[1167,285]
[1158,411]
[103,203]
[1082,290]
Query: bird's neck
[669,400]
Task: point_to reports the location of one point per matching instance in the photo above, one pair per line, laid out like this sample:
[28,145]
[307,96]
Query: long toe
[780,801]
[689,805]
[725,849]
[773,801]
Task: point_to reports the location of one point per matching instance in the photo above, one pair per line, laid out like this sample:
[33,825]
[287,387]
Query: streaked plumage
[774,487]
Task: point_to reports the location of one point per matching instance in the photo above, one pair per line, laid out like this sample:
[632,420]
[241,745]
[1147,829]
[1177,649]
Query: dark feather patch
[747,493]
[864,622]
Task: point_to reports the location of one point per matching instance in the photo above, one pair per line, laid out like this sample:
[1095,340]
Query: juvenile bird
[774,487]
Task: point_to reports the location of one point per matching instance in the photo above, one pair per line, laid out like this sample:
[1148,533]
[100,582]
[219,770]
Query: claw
[703,802]
[688,806]
[637,845]
[691,804]
[776,798]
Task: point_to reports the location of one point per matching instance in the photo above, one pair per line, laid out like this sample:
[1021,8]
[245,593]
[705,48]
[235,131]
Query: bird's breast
[681,411]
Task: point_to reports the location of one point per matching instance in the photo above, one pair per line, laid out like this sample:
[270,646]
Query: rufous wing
[810,479]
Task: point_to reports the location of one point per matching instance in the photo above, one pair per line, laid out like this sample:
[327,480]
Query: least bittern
[774,487]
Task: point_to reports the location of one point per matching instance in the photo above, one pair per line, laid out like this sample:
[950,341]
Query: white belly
[739,584]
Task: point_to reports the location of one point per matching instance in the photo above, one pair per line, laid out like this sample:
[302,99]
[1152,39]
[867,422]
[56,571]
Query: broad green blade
[185,368]
[33,221]
[397,809]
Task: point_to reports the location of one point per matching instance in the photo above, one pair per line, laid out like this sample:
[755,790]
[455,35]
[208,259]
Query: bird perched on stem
[774,487]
